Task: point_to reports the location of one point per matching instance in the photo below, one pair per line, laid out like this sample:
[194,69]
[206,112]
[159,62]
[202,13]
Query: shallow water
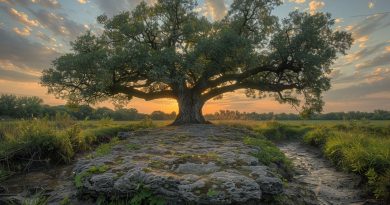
[317,174]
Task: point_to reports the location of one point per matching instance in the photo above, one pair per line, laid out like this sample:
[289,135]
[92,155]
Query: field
[361,147]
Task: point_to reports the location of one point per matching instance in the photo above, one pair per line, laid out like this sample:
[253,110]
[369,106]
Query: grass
[38,199]
[212,192]
[364,154]
[30,144]
[361,147]
[269,154]
[78,179]
[142,195]
[105,149]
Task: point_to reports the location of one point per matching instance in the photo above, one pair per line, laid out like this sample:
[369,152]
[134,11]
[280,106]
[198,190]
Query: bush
[34,141]
[274,130]
[317,136]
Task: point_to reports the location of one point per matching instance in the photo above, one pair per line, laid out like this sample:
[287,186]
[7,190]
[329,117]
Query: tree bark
[190,109]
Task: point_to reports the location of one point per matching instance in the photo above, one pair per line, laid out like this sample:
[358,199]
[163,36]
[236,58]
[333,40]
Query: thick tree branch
[261,86]
[205,84]
[130,91]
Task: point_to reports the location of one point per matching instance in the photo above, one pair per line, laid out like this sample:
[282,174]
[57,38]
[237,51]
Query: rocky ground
[195,164]
[203,164]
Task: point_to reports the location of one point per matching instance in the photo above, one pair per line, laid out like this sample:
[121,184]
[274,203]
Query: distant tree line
[14,107]
[353,115]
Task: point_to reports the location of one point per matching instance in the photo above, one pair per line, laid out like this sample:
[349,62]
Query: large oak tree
[169,50]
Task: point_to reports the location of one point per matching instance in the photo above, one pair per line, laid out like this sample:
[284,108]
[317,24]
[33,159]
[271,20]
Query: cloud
[377,75]
[53,4]
[380,60]
[368,76]
[362,90]
[21,17]
[339,20]
[58,24]
[82,1]
[216,9]
[45,37]
[111,8]
[362,41]
[24,53]
[315,5]
[362,30]
[26,31]
[369,25]
[12,72]
[298,1]
[365,52]
[371,5]
[12,75]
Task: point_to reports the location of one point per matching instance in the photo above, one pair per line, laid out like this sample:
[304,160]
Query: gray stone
[125,135]
[239,188]
[192,168]
[102,182]
[248,160]
[268,183]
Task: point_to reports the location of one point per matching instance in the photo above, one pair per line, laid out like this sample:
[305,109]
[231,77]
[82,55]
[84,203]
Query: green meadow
[360,147]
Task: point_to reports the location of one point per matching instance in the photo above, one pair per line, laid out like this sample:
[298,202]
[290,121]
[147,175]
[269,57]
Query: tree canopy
[169,50]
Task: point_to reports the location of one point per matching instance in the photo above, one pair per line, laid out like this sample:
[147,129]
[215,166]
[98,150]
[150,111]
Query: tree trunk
[190,109]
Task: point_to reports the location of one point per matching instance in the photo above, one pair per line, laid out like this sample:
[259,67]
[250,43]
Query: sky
[35,32]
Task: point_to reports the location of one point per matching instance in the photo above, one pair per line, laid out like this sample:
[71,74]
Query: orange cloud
[298,1]
[215,9]
[377,75]
[22,17]
[315,5]
[362,41]
[26,31]
[371,5]
[339,20]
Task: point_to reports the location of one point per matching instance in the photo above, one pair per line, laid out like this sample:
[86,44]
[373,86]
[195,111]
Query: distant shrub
[145,123]
[317,136]
[274,130]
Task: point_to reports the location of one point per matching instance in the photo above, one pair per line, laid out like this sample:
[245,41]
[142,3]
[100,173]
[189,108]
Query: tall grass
[27,144]
[359,149]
